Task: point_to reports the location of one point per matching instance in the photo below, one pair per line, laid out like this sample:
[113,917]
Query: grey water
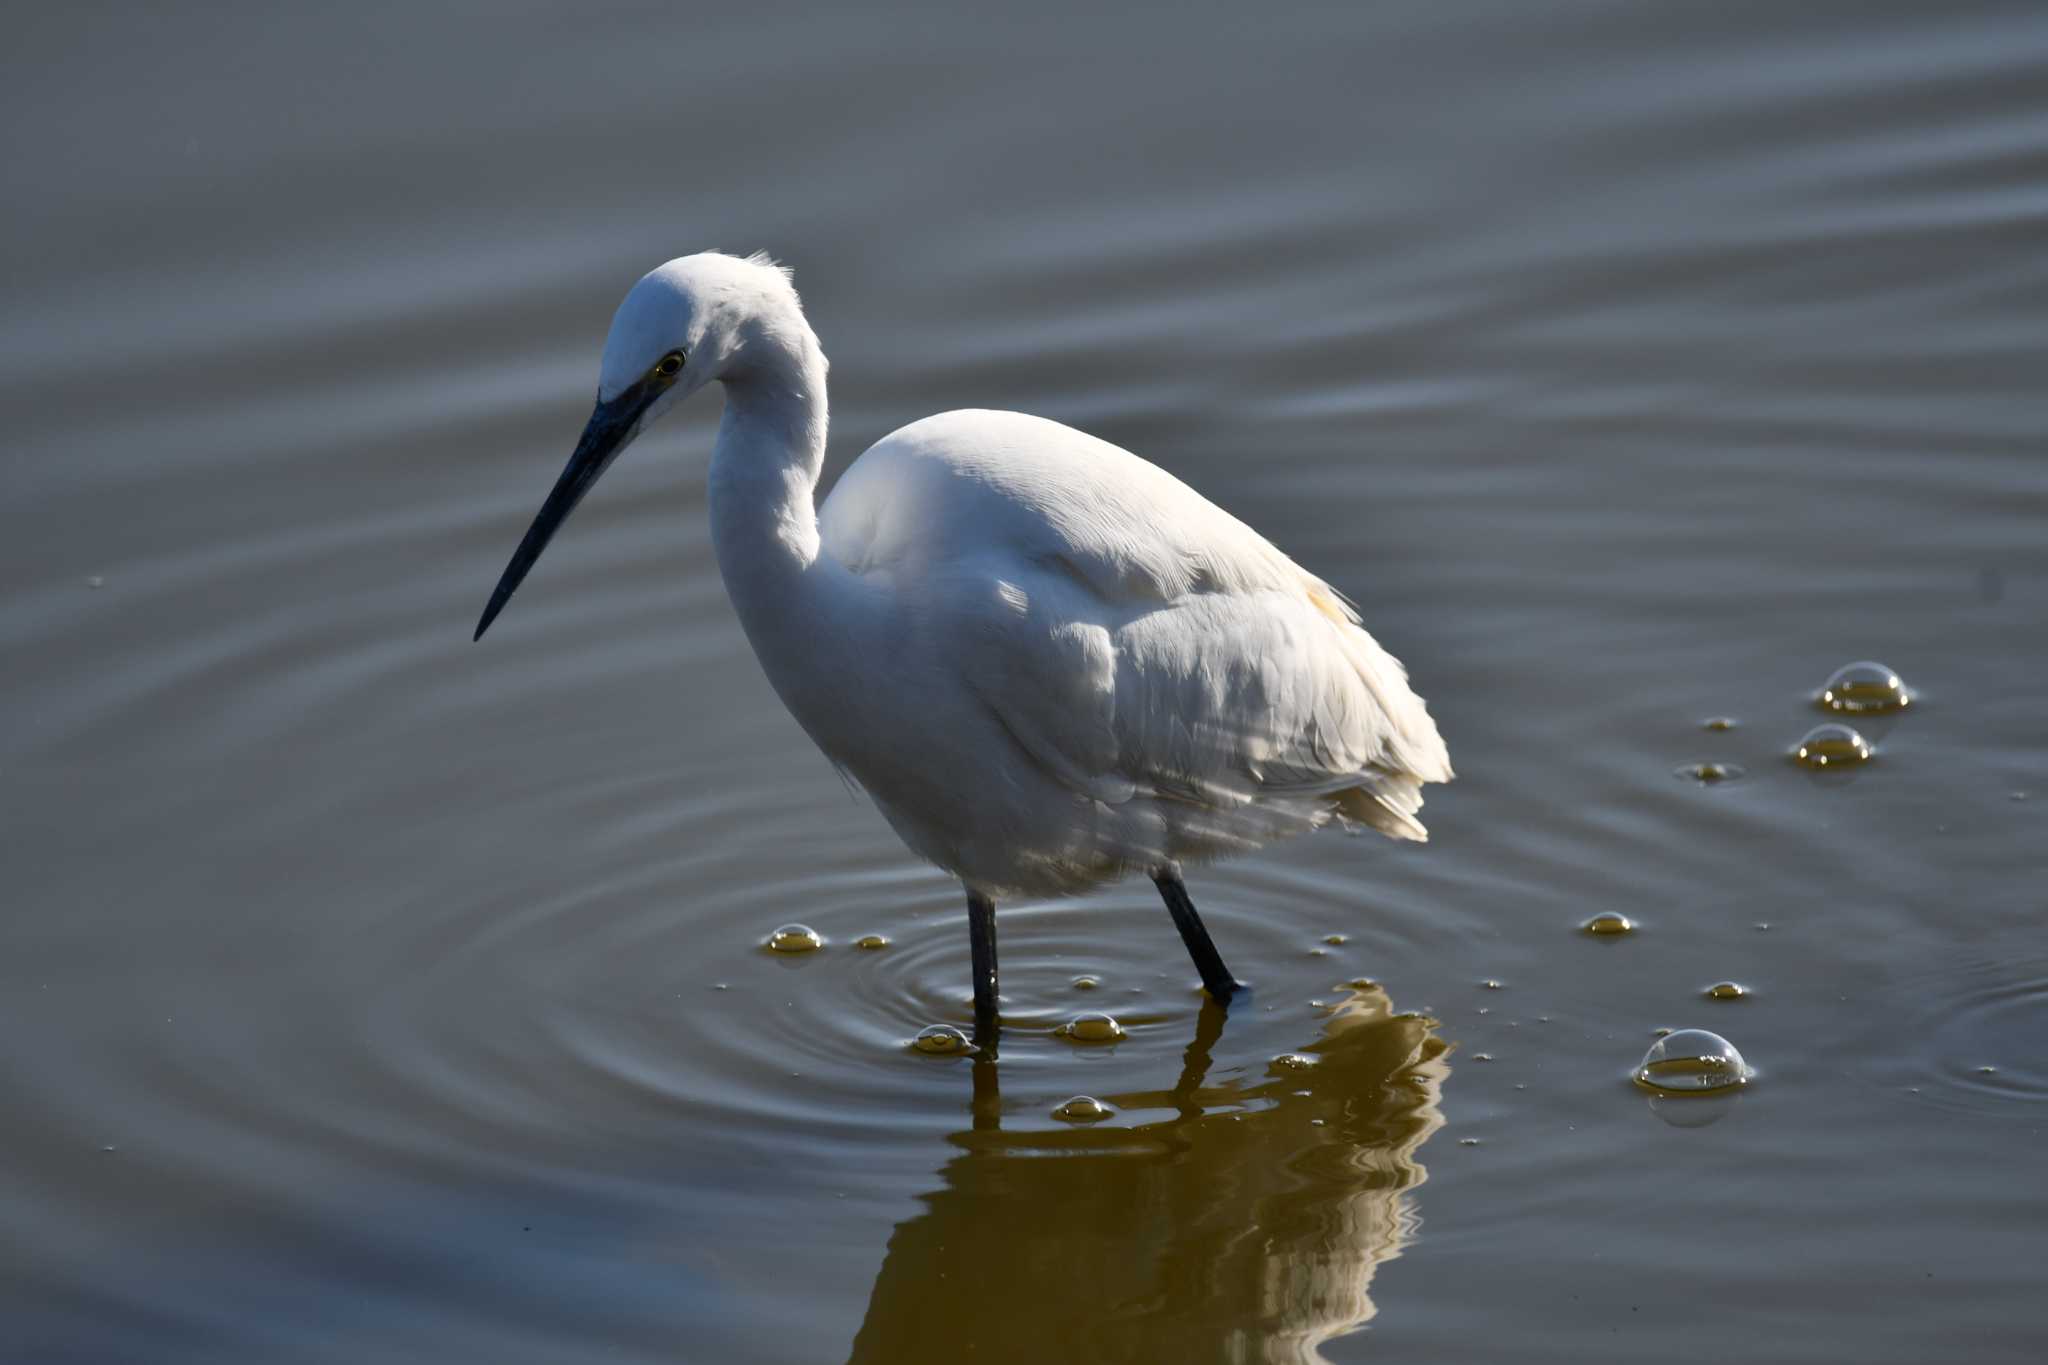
[370,995]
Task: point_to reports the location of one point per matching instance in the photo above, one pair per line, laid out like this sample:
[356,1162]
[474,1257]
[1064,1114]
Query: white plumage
[1133,675]
[1049,661]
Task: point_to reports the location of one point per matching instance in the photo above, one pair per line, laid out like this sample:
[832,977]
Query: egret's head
[696,319]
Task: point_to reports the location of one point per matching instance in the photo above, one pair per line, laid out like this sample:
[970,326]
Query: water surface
[370,995]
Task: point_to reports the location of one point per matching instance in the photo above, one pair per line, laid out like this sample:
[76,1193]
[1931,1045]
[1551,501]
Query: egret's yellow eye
[670,365]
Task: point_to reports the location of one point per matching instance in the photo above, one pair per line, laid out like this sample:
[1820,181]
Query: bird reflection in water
[1245,1227]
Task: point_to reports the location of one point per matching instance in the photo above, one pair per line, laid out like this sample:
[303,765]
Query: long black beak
[610,430]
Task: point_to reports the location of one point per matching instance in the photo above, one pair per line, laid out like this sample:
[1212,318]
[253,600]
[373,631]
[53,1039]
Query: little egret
[1048,661]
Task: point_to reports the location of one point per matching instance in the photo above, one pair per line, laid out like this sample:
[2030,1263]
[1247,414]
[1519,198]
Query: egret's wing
[1127,632]
[1228,697]
[1039,654]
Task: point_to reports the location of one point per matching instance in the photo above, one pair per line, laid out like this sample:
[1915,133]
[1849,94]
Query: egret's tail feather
[1387,802]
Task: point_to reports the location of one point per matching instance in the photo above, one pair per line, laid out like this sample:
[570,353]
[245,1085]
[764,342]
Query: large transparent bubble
[1864,688]
[1692,1061]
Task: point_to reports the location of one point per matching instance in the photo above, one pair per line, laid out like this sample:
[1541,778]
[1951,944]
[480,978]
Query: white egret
[1048,661]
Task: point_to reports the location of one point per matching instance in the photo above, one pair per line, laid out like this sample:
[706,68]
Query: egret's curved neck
[764,474]
[764,515]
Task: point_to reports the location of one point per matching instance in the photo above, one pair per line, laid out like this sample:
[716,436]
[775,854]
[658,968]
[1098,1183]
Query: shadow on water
[1247,1226]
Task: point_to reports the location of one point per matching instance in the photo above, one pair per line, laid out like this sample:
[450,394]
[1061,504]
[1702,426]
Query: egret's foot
[1226,991]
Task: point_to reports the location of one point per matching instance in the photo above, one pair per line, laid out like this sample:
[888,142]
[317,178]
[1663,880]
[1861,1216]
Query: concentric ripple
[643,991]
[1978,1037]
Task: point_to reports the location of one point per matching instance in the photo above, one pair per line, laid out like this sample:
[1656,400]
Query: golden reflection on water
[1246,1227]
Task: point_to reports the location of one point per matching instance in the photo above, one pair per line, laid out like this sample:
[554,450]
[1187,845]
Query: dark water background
[367,995]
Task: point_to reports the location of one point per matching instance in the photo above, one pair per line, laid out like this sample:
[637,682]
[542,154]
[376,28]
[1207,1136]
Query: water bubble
[1468,1142]
[1863,689]
[1491,984]
[871,942]
[1607,923]
[1091,1028]
[1294,1061]
[95,582]
[1726,990]
[1708,773]
[1083,1109]
[1719,723]
[1691,1062]
[795,938]
[1482,1056]
[1087,983]
[1335,940]
[941,1040]
[1831,746]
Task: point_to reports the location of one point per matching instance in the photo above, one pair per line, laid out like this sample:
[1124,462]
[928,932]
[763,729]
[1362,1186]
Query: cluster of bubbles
[802,938]
[1695,1061]
[1865,688]
[1683,1062]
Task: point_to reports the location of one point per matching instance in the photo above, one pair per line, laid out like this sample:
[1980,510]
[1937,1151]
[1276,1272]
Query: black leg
[981,936]
[1208,961]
